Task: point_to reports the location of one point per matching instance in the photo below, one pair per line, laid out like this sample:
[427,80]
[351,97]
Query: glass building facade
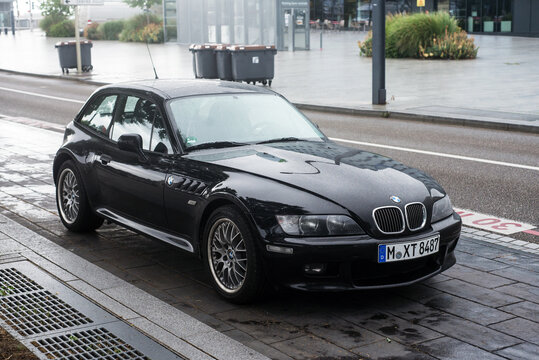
[287,23]
[520,17]
[284,23]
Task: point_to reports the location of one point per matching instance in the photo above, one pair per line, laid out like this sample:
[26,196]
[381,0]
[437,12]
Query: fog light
[315,269]
[279,249]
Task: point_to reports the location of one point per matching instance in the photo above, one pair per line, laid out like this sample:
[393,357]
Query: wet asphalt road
[503,191]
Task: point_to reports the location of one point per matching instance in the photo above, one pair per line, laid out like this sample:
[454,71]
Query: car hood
[357,180]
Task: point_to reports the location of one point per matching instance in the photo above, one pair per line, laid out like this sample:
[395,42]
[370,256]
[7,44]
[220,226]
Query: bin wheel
[269,83]
[264,82]
[67,71]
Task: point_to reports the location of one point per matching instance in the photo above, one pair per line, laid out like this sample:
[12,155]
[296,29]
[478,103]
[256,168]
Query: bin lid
[203,46]
[71,43]
[251,47]
[222,47]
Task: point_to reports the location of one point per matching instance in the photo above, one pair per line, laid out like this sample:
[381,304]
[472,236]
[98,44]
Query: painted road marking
[452,156]
[493,223]
[43,95]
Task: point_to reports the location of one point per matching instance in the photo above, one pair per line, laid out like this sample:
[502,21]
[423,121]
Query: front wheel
[231,256]
[71,200]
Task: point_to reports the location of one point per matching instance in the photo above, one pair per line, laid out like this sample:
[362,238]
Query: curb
[397,115]
[438,119]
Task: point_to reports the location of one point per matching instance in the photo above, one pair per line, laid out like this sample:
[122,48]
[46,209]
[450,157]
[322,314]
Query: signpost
[76,4]
[379,52]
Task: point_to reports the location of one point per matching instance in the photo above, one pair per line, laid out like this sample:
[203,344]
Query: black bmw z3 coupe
[238,176]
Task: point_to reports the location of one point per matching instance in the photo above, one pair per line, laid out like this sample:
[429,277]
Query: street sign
[420,3]
[82,2]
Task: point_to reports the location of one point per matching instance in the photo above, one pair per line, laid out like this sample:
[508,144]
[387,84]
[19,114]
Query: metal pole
[77,40]
[379,52]
[12,22]
[31,21]
[321,32]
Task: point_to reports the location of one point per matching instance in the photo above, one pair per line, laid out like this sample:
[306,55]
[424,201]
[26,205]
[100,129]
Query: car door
[131,183]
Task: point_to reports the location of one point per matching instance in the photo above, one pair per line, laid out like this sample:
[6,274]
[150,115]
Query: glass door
[300,30]
[287,28]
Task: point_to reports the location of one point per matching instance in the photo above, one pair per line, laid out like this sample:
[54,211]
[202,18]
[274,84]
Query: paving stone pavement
[485,307]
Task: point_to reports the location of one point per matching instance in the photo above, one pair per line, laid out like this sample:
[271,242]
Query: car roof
[174,88]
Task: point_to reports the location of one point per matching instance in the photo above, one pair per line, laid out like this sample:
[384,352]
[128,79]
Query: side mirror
[132,143]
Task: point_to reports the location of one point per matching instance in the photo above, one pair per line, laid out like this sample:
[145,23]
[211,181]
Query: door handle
[105,159]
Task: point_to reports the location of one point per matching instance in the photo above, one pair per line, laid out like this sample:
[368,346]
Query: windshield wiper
[215,145]
[283,139]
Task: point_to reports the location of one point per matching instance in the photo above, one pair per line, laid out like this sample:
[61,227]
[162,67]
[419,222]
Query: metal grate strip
[13,282]
[39,312]
[88,344]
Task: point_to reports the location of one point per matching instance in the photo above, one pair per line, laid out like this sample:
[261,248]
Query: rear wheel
[71,200]
[231,256]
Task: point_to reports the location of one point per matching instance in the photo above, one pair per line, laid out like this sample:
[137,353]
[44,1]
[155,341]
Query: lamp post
[379,52]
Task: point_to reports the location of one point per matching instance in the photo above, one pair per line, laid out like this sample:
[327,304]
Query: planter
[506,26]
[488,26]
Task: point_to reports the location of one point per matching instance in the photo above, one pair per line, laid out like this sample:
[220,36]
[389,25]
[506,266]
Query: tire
[72,202]
[227,227]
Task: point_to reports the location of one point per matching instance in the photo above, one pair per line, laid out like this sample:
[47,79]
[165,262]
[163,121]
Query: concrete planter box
[506,26]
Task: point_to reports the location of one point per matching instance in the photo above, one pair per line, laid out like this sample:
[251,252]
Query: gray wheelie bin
[204,64]
[67,54]
[253,63]
[224,62]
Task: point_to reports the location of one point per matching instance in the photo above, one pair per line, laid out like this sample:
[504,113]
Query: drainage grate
[39,312]
[89,344]
[13,282]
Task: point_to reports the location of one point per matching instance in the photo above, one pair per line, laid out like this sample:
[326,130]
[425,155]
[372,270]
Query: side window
[140,116]
[160,141]
[98,115]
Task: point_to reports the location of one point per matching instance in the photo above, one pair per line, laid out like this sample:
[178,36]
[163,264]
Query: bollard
[321,32]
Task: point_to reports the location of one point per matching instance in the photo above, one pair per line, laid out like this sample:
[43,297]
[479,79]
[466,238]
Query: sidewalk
[483,307]
[498,89]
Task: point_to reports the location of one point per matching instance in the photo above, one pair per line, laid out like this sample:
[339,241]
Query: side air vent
[188,185]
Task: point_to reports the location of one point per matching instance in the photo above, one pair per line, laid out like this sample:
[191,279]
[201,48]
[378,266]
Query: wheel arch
[61,157]
[216,201]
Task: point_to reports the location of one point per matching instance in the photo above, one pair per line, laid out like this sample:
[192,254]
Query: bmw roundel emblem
[395,199]
[170,180]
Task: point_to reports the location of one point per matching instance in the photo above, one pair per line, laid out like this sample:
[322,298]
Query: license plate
[409,250]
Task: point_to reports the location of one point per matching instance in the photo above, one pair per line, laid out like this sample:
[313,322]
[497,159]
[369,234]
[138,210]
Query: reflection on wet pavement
[484,307]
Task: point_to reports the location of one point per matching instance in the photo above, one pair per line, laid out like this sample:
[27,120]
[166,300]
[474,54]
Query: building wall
[526,16]
[226,21]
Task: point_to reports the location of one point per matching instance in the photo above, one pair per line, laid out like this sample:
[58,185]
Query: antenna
[147,11]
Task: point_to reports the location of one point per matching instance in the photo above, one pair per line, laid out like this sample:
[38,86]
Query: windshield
[239,118]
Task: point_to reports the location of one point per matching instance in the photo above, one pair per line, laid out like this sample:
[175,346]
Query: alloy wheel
[227,255]
[68,196]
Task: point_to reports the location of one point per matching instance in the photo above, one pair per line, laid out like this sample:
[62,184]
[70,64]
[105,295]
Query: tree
[143,4]
[56,9]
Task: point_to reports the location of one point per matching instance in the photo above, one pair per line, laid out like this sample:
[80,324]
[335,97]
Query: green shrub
[152,33]
[92,32]
[412,35]
[65,28]
[137,29]
[111,29]
[451,46]
[50,20]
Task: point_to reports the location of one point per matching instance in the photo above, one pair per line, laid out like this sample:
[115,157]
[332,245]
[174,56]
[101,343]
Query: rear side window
[98,115]
[140,116]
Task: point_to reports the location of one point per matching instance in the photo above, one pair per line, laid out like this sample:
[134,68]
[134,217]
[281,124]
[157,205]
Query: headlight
[318,225]
[441,209]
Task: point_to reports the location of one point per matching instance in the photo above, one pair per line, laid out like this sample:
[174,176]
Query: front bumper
[352,264]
